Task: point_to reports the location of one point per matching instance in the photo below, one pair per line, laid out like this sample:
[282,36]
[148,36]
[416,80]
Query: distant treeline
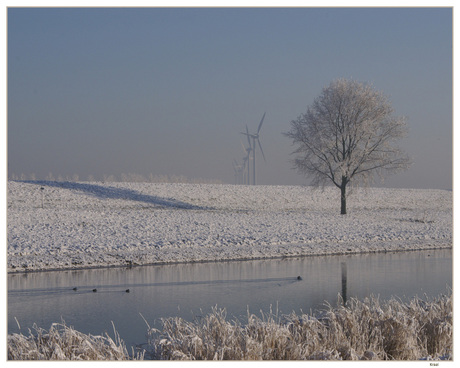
[124,178]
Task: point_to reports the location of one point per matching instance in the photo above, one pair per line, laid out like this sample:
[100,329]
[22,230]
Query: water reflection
[191,290]
[343,266]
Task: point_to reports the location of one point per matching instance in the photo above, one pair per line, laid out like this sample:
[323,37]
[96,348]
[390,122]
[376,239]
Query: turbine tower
[246,159]
[255,137]
[237,169]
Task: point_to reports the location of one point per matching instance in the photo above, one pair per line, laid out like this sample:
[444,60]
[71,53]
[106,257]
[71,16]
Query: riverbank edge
[127,264]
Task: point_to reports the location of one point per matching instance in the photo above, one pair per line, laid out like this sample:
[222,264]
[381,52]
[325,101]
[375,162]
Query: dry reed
[360,330]
[367,330]
[62,342]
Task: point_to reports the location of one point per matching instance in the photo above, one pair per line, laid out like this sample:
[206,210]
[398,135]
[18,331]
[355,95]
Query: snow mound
[57,225]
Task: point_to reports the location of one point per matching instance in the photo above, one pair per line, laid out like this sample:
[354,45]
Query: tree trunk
[343,197]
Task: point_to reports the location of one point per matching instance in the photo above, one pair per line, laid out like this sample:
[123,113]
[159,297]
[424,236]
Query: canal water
[191,290]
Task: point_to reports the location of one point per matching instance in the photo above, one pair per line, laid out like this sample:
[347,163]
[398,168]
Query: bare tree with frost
[347,136]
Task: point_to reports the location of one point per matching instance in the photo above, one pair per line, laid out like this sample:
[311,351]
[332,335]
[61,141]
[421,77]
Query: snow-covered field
[58,225]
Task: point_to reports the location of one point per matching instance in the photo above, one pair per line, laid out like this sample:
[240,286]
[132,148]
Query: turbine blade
[242,145]
[247,134]
[261,150]
[249,141]
[260,124]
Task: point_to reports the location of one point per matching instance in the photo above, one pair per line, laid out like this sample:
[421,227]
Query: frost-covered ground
[76,225]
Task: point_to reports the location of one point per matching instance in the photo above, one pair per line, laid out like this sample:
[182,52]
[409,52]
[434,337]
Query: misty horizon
[159,93]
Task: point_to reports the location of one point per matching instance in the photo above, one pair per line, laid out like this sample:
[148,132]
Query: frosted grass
[362,330]
[367,330]
[62,342]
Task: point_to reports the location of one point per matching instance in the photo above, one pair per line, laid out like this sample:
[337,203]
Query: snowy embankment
[58,225]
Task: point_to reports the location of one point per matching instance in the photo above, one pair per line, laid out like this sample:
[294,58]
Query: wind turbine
[255,137]
[237,169]
[240,171]
[246,159]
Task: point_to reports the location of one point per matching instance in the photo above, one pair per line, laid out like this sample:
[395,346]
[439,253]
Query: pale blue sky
[166,91]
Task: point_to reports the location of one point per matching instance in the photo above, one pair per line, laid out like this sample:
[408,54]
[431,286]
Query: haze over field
[167,91]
